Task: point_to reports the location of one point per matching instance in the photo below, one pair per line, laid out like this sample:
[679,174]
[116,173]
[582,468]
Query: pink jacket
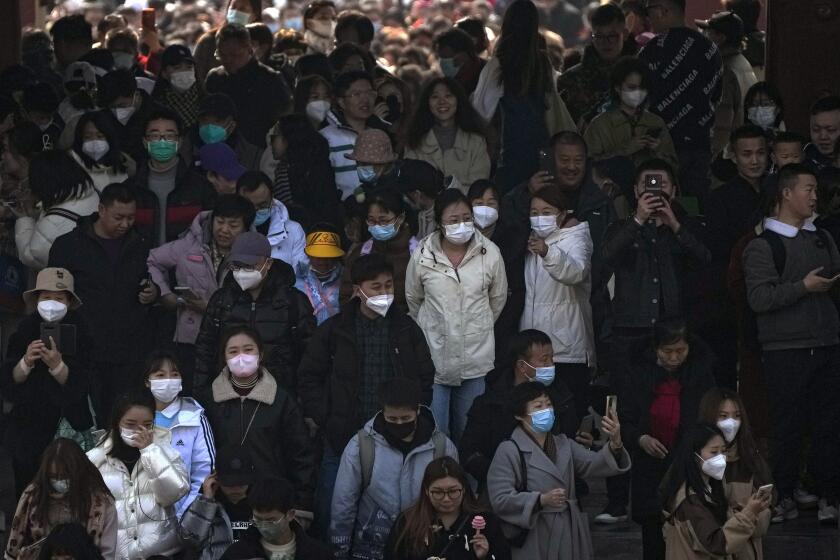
[190,257]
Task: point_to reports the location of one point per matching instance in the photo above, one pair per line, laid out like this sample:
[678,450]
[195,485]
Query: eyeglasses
[381,222]
[264,522]
[157,136]
[358,95]
[611,38]
[451,493]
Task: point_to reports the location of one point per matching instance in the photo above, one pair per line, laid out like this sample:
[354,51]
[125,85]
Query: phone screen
[546,162]
[51,330]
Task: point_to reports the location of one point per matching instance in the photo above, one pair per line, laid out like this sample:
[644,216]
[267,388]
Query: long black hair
[69,539]
[466,117]
[686,470]
[104,123]
[142,399]
[54,177]
[525,68]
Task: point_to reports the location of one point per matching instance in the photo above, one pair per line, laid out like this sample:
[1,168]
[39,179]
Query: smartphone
[546,163]
[653,132]
[830,274]
[185,292]
[147,19]
[612,406]
[9,203]
[653,185]
[766,490]
[63,335]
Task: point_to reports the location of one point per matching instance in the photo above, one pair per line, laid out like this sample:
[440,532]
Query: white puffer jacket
[146,498]
[457,308]
[557,289]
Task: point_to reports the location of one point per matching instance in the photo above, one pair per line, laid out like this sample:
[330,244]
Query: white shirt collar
[787,230]
[173,408]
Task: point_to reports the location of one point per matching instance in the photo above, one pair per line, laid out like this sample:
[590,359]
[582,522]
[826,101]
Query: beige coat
[457,308]
[740,486]
[611,134]
[467,160]
[692,533]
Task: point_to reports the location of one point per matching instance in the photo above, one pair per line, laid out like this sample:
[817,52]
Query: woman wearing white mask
[699,524]
[746,470]
[185,420]
[456,288]
[764,107]
[45,382]
[146,476]
[66,489]
[247,407]
[628,128]
[558,282]
[96,147]
[319,20]
[313,98]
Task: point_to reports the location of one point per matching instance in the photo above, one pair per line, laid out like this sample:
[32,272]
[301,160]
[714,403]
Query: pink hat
[372,146]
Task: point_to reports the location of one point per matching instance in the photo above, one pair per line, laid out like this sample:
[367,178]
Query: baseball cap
[324,245]
[234,466]
[419,175]
[80,72]
[176,54]
[54,280]
[727,23]
[220,158]
[249,248]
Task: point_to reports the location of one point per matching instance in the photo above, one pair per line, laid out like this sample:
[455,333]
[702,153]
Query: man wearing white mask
[47,380]
[130,107]
[259,293]
[350,355]
[319,20]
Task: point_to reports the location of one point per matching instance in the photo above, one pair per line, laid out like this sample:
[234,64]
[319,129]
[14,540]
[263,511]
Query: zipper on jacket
[254,315]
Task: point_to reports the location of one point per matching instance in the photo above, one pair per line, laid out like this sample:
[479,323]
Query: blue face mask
[366,173]
[262,216]
[212,133]
[238,17]
[383,233]
[544,375]
[448,67]
[542,420]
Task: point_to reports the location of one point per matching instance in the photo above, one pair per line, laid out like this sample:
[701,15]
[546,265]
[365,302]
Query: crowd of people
[448,260]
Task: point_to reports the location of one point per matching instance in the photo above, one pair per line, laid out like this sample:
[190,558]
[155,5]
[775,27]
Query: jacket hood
[265,391]
[425,412]
[201,228]
[580,230]
[190,413]
[277,223]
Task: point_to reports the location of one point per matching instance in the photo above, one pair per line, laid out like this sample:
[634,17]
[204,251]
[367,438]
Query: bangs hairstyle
[447,198]
[747,449]
[480,187]
[625,67]
[524,393]
[156,361]
[388,200]
[770,91]
[670,331]
[137,398]
[521,343]
[229,333]
[466,117]
[234,206]
[368,267]
[304,88]
[553,196]
[104,123]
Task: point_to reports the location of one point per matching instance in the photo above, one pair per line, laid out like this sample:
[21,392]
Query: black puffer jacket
[490,422]
[281,314]
[329,376]
[251,548]
[118,322]
[269,424]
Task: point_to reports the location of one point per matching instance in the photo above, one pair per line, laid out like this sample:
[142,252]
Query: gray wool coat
[555,533]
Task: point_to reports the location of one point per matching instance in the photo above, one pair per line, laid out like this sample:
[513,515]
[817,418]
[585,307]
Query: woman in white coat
[557,287]
[146,476]
[63,193]
[456,288]
[96,147]
[191,435]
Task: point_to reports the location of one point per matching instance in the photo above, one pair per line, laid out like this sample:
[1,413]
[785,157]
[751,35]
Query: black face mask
[401,431]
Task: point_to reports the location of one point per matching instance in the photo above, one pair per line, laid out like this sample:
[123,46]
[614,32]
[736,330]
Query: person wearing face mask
[241,12]
[381,470]
[699,523]
[490,422]
[198,261]
[458,59]
[628,128]
[39,104]
[146,476]
[177,87]
[64,193]
[531,481]
[223,169]
[375,160]
[184,418]
[259,292]
[247,407]
[124,45]
[217,123]
[658,400]
[320,280]
[313,98]
[456,288]
[97,149]
[274,532]
[764,107]
[130,108]
[390,236]
[66,489]
[319,21]
[45,382]
[746,470]
[372,340]
[272,219]
[558,271]
[420,183]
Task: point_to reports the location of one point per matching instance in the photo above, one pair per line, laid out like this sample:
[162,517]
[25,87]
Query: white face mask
[459,233]
[729,427]
[379,304]
[322,27]
[165,390]
[633,98]
[123,114]
[544,226]
[51,311]
[183,80]
[485,216]
[123,60]
[244,365]
[317,110]
[95,149]
[247,279]
[714,467]
[60,485]
[765,117]
[129,437]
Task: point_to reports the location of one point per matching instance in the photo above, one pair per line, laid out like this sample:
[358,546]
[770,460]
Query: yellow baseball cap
[324,245]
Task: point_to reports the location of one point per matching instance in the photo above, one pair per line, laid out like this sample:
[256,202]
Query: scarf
[185,104]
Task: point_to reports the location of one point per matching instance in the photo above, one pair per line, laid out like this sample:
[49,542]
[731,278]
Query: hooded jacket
[191,259]
[342,139]
[557,294]
[362,517]
[330,377]
[268,422]
[206,529]
[457,307]
[250,547]
[286,237]
[145,498]
[281,314]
